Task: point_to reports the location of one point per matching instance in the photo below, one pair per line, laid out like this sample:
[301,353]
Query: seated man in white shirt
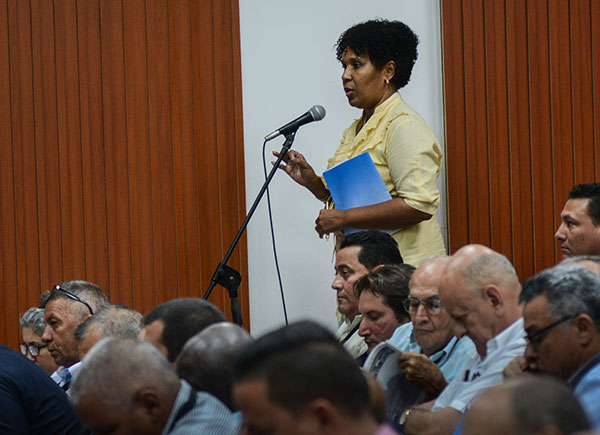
[358,254]
[480,290]
[431,354]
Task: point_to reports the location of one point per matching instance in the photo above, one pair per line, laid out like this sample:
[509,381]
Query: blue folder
[356,183]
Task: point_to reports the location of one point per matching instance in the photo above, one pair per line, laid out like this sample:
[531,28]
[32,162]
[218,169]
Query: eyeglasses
[537,337]
[32,349]
[433,305]
[58,288]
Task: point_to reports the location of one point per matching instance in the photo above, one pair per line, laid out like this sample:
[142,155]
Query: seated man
[480,290]
[381,297]
[562,321]
[359,253]
[299,380]
[112,321]
[31,402]
[127,386]
[33,348]
[171,324]
[526,405]
[579,231]
[65,308]
[432,355]
[206,360]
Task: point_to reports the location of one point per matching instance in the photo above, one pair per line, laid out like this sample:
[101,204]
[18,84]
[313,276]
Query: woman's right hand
[296,166]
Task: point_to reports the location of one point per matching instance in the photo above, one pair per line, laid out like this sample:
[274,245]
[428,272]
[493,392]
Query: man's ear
[323,416]
[148,402]
[376,268]
[495,298]
[584,328]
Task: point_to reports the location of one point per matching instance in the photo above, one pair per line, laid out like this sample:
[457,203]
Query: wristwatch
[404,416]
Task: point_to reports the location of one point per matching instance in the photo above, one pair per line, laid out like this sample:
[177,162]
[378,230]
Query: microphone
[315,113]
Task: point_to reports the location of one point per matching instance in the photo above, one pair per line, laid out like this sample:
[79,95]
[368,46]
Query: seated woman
[32,328]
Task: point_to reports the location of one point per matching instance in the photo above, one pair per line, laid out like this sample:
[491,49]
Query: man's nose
[363,328]
[560,232]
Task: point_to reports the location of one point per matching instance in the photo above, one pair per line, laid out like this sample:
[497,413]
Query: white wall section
[289,65]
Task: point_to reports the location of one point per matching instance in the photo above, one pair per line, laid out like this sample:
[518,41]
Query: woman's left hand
[329,221]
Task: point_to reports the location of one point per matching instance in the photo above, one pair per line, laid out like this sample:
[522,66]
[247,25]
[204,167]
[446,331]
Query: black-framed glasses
[536,338]
[58,288]
[32,349]
[433,305]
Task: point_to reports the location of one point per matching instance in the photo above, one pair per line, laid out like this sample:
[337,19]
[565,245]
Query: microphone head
[317,112]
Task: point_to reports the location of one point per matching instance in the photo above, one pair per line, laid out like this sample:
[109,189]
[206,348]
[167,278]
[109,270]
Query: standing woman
[377,59]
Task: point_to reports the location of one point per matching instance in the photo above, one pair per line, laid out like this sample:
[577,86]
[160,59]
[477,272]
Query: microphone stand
[227,276]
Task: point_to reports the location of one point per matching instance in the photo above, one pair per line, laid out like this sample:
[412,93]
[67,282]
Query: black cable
[273,236]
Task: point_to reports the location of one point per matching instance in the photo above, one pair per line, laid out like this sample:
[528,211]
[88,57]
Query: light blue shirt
[450,359]
[586,386]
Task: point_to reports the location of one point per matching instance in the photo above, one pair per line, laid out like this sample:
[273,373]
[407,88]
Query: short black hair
[383,41]
[183,318]
[538,402]
[300,363]
[589,191]
[377,248]
[391,282]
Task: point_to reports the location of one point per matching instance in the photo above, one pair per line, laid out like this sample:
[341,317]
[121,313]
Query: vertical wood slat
[541,136]
[456,132]
[8,242]
[118,226]
[69,139]
[92,142]
[27,255]
[542,121]
[115,171]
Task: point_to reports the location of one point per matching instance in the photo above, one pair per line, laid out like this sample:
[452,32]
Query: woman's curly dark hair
[382,41]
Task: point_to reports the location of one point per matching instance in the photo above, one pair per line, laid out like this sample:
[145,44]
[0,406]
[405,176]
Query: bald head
[206,360]
[480,290]
[429,273]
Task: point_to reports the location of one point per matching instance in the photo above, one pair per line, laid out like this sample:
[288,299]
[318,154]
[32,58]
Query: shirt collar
[505,337]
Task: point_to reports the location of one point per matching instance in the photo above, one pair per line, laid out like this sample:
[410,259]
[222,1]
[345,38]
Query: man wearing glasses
[432,354]
[562,321]
[66,307]
[480,290]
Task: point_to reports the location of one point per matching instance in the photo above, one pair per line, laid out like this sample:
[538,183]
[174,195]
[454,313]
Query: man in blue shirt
[562,322]
[126,386]
[432,355]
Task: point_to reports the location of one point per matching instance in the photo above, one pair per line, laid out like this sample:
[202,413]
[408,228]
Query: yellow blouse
[409,159]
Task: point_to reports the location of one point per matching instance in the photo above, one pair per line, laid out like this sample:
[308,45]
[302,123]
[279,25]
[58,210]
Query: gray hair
[491,268]
[113,321]
[33,318]
[86,291]
[206,360]
[579,258]
[570,290]
[115,369]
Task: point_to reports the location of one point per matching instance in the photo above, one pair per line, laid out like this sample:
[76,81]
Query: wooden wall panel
[529,132]
[121,149]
